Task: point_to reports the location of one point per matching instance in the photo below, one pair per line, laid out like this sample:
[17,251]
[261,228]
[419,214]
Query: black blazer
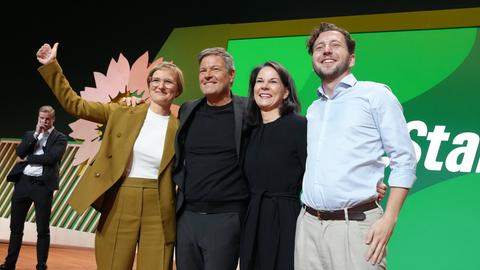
[53,152]
[185,114]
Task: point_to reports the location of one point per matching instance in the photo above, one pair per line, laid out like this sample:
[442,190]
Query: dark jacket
[185,114]
[50,159]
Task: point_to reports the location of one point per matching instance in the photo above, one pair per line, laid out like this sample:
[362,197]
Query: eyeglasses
[156,82]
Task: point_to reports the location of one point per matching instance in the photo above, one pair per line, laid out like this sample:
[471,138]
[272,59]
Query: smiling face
[331,59]
[214,77]
[163,87]
[269,91]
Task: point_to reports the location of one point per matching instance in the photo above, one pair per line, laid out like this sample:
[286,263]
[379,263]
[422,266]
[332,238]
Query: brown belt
[354,213]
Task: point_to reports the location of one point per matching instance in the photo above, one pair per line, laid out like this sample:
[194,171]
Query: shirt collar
[46,133]
[347,82]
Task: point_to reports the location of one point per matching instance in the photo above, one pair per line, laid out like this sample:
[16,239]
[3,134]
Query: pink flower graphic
[120,81]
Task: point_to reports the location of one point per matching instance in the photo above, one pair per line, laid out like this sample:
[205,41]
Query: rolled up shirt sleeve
[390,121]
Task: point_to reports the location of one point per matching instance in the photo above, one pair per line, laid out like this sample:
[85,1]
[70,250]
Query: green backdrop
[434,74]
[430,59]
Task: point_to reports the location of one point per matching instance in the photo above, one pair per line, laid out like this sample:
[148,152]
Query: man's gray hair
[219,51]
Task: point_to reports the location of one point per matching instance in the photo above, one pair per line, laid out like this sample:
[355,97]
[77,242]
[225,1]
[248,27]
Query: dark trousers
[208,241]
[28,190]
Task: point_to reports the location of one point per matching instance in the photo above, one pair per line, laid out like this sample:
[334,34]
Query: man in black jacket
[212,193]
[36,176]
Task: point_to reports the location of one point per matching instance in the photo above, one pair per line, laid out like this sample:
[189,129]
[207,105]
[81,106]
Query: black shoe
[40,266]
[5,267]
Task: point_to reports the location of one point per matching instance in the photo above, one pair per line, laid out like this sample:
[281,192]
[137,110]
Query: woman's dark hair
[290,104]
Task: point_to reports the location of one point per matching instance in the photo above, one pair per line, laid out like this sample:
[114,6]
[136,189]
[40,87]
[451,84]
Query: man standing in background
[36,177]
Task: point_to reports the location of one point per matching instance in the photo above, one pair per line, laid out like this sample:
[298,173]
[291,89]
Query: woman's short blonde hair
[170,66]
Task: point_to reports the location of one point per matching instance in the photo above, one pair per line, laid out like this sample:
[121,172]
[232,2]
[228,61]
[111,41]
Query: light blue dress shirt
[347,136]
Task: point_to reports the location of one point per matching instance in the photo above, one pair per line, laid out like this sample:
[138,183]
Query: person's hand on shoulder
[131,101]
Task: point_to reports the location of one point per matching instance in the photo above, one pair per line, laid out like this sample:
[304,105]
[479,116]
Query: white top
[37,169]
[347,136]
[148,148]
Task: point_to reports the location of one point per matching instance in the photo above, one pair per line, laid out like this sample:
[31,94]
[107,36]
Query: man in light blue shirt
[350,128]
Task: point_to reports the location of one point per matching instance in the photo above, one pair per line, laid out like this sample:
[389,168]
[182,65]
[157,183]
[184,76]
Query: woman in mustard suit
[129,181]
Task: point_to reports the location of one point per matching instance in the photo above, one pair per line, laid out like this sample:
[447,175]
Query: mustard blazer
[123,125]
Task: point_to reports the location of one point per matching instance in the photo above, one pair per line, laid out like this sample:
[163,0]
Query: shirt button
[97,174]
[119,135]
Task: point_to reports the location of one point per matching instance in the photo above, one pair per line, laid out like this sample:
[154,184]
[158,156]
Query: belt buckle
[357,216]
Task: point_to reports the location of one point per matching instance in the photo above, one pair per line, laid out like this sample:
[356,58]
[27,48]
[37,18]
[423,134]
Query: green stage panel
[434,74]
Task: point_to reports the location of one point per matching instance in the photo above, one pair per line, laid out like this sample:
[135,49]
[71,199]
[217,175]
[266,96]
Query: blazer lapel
[188,111]
[238,115]
[136,117]
[169,145]
[184,115]
[50,140]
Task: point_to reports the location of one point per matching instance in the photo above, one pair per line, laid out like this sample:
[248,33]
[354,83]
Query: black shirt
[274,165]
[212,167]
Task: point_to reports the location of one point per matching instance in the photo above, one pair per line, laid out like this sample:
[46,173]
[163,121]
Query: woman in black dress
[274,162]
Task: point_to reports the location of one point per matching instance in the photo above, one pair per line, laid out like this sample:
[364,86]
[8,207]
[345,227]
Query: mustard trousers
[132,223]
